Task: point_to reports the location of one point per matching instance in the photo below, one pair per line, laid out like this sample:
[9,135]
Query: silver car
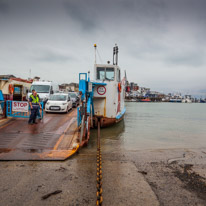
[74,98]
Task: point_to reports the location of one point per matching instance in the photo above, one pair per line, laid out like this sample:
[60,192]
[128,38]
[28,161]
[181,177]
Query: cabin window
[105,73]
[100,73]
[109,73]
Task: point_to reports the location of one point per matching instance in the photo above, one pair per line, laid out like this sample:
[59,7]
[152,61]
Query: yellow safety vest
[35,100]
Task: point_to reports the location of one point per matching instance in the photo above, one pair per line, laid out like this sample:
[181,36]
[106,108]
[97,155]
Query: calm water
[156,125]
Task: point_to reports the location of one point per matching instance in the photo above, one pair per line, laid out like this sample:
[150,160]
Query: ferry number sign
[101,90]
[18,106]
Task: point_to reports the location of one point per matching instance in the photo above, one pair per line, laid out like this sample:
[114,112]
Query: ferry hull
[106,122]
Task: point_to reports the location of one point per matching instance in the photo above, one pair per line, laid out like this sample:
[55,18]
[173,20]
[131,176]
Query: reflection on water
[110,136]
[155,125]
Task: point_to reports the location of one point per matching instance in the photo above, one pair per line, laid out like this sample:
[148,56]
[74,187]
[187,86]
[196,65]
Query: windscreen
[40,88]
[72,95]
[105,73]
[109,74]
[58,97]
[100,73]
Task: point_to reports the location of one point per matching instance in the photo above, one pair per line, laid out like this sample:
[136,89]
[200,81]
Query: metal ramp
[53,138]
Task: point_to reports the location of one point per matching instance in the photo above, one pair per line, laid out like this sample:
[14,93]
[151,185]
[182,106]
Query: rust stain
[5,150]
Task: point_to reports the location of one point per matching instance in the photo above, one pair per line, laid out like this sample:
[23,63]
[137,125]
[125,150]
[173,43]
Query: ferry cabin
[108,99]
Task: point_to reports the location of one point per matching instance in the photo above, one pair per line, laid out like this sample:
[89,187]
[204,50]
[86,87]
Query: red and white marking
[18,106]
[101,90]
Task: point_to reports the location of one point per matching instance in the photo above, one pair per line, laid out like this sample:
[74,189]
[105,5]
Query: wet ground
[152,177]
[53,138]
[142,176]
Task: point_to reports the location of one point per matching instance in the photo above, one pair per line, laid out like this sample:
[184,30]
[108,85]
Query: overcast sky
[162,43]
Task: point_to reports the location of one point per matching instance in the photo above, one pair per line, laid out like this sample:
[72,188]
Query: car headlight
[47,103]
[64,103]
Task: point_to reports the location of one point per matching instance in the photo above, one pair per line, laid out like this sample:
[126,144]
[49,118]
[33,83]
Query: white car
[58,103]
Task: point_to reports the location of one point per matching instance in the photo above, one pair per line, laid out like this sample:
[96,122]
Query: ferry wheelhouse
[109,93]
[104,95]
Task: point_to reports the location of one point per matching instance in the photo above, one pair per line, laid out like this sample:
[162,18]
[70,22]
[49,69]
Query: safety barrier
[21,114]
[2,114]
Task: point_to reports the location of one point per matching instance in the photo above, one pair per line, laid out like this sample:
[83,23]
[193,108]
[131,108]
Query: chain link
[99,169]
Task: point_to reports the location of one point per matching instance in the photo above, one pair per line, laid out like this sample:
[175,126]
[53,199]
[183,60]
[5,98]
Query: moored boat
[145,100]
[109,92]
[176,100]
[202,100]
[106,93]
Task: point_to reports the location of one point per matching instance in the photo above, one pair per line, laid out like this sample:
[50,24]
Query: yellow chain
[99,169]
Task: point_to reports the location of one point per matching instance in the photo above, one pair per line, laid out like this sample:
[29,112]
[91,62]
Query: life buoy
[11,89]
[119,87]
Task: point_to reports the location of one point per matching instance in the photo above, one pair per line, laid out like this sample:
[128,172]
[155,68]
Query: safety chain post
[99,169]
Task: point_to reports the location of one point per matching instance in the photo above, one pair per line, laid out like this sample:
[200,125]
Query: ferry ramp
[53,138]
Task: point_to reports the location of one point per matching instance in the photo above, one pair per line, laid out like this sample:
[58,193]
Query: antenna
[115,54]
[95,51]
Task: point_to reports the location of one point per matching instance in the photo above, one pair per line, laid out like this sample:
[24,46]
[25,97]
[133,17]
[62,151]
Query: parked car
[59,102]
[74,98]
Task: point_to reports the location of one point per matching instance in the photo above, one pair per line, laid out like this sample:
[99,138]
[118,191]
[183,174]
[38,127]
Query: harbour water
[156,126]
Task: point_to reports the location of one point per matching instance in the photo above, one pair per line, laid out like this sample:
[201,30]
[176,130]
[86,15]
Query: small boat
[186,101]
[202,100]
[145,100]
[176,100]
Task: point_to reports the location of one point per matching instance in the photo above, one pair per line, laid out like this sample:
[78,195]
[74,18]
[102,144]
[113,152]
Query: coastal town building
[72,87]
[14,88]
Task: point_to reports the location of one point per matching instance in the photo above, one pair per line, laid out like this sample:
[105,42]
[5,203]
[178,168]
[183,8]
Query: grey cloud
[153,36]
[51,56]
[4,6]
[191,59]
[83,15]
[119,14]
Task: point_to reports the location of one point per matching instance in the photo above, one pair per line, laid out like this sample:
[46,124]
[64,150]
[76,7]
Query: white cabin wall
[110,98]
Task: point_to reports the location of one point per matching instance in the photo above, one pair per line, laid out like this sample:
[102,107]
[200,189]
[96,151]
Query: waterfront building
[14,88]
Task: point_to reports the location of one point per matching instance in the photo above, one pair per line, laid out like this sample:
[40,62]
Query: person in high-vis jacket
[38,112]
[34,105]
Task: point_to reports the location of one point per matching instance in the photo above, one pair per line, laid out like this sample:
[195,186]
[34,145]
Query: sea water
[156,126]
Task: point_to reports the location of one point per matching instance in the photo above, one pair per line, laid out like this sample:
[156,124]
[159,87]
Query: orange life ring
[119,87]
[11,89]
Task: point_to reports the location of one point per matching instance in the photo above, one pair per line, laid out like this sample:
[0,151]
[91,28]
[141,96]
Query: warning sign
[18,106]
[101,90]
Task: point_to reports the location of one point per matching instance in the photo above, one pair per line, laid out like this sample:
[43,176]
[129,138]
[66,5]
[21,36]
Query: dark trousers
[38,113]
[33,114]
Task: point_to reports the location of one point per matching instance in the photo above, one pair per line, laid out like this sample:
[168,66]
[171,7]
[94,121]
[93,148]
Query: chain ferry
[102,99]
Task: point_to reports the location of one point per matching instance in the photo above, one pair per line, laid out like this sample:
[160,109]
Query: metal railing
[10,113]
